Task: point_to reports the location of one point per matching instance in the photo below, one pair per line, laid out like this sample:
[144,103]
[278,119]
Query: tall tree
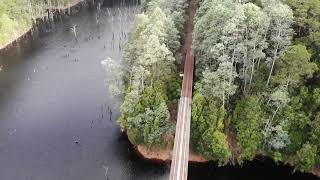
[247,121]
[156,58]
[215,14]
[257,23]
[277,101]
[113,77]
[280,31]
[206,114]
[216,84]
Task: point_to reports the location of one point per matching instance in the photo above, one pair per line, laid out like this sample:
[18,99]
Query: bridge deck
[180,154]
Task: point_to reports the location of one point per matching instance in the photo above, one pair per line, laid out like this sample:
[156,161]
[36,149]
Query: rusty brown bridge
[180,154]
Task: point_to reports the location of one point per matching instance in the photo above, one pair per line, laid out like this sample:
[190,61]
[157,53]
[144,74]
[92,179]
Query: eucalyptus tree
[280,136]
[216,84]
[156,58]
[163,26]
[147,57]
[214,14]
[280,31]
[244,39]
[175,9]
[277,100]
[241,40]
[133,48]
[257,23]
[140,76]
[113,77]
[233,39]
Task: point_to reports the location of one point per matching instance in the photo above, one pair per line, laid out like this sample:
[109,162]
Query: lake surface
[52,94]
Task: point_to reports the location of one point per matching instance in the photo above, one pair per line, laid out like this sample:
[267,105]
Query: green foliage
[205,115]
[277,157]
[135,136]
[315,131]
[151,80]
[297,121]
[15,19]
[215,146]
[157,123]
[216,84]
[307,15]
[212,13]
[153,96]
[174,88]
[293,66]
[206,129]
[261,65]
[174,8]
[247,122]
[16,16]
[306,157]
[146,117]
[316,97]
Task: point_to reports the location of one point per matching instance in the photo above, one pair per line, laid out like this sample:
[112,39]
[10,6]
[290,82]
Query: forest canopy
[261,67]
[151,82]
[256,85]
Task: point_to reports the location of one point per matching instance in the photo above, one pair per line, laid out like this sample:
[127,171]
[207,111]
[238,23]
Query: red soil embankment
[164,154]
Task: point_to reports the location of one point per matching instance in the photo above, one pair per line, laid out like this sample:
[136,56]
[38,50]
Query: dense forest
[256,89]
[152,85]
[257,81]
[16,16]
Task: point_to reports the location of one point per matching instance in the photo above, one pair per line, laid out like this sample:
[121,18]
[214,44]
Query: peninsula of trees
[152,83]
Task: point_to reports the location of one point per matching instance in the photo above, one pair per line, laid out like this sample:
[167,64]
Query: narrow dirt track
[189,26]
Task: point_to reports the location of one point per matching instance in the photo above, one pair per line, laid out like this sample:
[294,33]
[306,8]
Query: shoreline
[34,19]
[20,36]
[70,5]
[165,155]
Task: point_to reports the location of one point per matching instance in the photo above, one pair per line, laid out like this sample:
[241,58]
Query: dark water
[52,94]
[260,169]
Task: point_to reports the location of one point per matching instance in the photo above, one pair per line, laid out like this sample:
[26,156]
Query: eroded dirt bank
[165,154]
